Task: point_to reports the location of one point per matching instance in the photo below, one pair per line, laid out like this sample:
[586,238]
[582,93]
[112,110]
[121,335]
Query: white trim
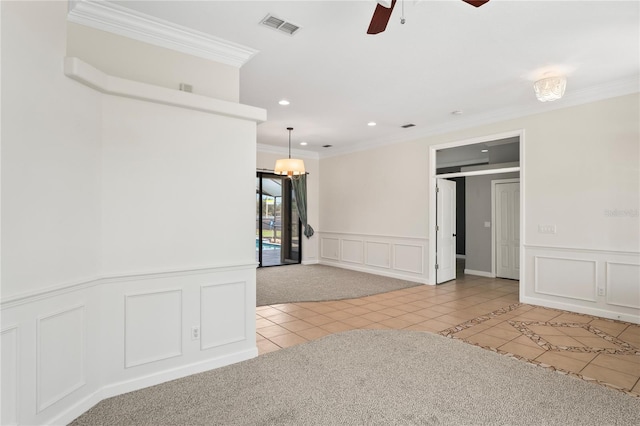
[479,273]
[126,22]
[90,76]
[566,296]
[479,172]
[607,283]
[582,249]
[622,87]
[580,309]
[461,256]
[125,386]
[381,272]
[40,404]
[14,329]
[372,235]
[281,150]
[160,357]
[60,289]
[203,346]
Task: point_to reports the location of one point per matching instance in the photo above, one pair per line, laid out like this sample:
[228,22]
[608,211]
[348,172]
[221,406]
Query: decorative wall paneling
[595,282]
[397,257]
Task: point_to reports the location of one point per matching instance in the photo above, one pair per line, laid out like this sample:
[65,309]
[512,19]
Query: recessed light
[371,123]
[485,150]
[456,112]
[284,102]
[303,143]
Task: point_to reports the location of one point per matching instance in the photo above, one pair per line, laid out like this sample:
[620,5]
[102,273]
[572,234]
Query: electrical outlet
[601,292]
[195,332]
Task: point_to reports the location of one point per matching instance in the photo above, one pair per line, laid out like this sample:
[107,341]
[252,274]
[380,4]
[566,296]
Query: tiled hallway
[480,311]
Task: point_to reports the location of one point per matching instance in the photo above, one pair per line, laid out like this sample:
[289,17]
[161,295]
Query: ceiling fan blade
[476,3]
[380,18]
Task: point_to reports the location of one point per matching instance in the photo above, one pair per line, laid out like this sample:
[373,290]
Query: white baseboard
[109,391]
[311,262]
[376,272]
[479,273]
[581,309]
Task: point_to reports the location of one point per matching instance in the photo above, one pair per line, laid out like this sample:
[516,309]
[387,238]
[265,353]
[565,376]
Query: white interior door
[507,209]
[445,231]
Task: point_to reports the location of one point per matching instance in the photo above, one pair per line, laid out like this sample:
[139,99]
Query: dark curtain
[300,189]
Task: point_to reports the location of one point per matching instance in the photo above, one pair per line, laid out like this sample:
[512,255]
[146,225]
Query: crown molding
[297,153]
[613,89]
[106,16]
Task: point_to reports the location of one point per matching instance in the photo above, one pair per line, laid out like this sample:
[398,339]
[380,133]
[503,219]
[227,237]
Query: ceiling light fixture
[303,143]
[289,166]
[484,150]
[284,102]
[550,88]
[371,123]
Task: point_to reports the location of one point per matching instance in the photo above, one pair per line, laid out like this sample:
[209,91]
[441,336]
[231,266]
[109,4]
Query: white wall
[374,211]
[125,223]
[581,167]
[266,160]
[134,60]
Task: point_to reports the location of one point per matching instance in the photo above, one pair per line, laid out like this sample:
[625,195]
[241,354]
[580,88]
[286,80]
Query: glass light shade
[550,89]
[289,167]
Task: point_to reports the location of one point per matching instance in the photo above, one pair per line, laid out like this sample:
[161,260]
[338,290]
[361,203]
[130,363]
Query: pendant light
[289,166]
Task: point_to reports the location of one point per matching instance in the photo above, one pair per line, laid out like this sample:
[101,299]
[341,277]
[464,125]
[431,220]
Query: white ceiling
[447,56]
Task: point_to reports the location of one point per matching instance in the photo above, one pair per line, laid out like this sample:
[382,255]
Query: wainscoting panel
[392,256]
[566,277]
[352,251]
[330,248]
[623,284]
[221,319]
[408,258]
[153,327]
[604,283]
[60,351]
[9,397]
[378,254]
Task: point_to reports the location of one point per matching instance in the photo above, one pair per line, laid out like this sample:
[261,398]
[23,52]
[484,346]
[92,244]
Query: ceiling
[448,56]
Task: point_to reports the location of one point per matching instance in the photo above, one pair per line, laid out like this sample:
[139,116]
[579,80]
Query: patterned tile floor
[481,311]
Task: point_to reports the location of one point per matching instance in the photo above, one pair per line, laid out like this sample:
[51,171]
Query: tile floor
[481,311]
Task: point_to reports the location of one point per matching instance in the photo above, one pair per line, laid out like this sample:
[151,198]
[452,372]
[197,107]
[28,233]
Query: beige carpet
[373,377]
[313,283]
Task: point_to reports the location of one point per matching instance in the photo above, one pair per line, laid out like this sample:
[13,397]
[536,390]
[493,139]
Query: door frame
[432,193]
[494,229]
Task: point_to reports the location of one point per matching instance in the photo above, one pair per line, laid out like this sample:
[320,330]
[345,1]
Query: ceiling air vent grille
[406,126]
[271,21]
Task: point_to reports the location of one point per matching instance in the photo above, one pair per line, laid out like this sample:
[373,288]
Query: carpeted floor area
[312,283]
[373,377]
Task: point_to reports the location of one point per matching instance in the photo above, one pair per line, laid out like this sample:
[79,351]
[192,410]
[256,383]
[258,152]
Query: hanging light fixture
[289,166]
[550,88]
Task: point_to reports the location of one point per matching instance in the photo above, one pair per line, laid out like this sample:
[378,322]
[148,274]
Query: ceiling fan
[384,8]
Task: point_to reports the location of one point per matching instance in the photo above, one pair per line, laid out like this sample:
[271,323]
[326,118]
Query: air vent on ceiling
[271,21]
[406,126]
[327,146]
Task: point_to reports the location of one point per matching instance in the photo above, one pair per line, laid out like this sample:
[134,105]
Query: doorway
[503,157]
[278,225]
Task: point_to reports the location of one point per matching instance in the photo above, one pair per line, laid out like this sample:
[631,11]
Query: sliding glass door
[277,222]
